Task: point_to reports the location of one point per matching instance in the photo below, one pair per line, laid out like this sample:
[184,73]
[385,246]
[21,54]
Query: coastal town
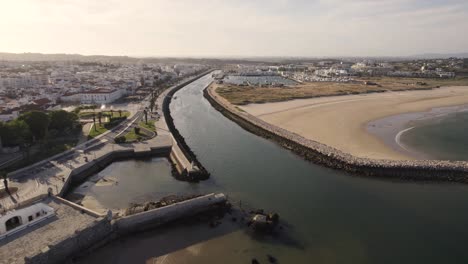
[52,85]
[233,132]
[346,70]
[66,125]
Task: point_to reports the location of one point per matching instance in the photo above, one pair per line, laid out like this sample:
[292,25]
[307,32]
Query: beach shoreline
[332,157]
[359,124]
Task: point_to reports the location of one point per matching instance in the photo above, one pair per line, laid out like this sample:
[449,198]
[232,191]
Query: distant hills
[40,57]
[441,55]
[5,56]
[60,57]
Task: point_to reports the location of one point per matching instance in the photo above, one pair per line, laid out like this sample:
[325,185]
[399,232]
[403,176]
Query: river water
[331,217]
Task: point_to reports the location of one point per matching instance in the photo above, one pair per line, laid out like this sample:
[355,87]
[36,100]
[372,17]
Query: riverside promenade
[74,229]
[54,175]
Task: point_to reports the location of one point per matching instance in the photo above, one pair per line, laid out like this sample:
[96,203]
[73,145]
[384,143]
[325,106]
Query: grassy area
[242,95]
[132,136]
[86,115]
[98,131]
[116,114]
[149,126]
[89,115]
[105,123]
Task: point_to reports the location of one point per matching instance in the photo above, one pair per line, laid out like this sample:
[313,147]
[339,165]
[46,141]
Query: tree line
[34,126]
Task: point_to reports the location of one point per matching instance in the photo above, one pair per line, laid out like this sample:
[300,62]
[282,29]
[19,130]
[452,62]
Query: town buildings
[49,85]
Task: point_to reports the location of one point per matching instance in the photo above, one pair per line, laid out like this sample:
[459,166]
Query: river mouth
[332,218]
[437,134]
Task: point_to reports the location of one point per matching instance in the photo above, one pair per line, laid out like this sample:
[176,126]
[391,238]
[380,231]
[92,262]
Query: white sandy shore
[340,121]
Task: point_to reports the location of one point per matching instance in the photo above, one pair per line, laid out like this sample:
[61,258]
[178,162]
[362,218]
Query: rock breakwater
[418,170]
[201,173]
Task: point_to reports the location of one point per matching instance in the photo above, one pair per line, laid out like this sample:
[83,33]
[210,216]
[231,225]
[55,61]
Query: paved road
[37,179]
[53,173]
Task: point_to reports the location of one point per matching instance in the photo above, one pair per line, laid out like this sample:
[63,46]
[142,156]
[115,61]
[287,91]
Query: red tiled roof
[42,101]
[100,91]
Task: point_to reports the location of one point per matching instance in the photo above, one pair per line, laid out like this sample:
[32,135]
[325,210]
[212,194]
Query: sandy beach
[341,121]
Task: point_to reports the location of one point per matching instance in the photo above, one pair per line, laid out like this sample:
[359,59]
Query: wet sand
[343,121]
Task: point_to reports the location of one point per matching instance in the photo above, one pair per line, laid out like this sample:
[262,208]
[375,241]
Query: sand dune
[340,121]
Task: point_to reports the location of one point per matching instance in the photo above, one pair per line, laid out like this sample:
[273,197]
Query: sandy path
[340,121]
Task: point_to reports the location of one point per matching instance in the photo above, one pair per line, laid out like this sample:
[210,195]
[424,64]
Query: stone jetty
[419,170]
[186,161]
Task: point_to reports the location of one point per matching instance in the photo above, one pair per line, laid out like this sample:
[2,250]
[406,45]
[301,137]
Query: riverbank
[342,122]
[187,165]
[423,170]
[255,171]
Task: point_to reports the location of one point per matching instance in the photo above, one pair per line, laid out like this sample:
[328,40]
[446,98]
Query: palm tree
[152,104]
[5,181]
[94,122]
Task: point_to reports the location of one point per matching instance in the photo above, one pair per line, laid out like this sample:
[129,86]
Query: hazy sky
[234,28]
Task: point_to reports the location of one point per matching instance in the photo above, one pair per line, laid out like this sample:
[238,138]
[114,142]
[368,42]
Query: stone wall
[168,213]
[421,170]
[102,230]
[80,241]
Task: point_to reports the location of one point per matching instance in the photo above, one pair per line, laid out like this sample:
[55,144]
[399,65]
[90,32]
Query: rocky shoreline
[417,170]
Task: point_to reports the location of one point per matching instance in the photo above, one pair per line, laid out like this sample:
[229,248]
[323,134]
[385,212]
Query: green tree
[38,123]
[61,120]
[14,133]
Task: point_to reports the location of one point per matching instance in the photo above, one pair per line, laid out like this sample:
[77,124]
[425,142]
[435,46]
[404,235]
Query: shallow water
[436,134]
[444,138]
[331,217]
[134,181]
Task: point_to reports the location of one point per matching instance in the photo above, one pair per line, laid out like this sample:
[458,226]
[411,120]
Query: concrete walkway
[54,173]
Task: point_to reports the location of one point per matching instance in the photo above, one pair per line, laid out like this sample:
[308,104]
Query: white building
[100,96]
[17,220]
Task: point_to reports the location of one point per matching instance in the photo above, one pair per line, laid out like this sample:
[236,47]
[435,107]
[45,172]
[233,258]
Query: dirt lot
[242,95]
